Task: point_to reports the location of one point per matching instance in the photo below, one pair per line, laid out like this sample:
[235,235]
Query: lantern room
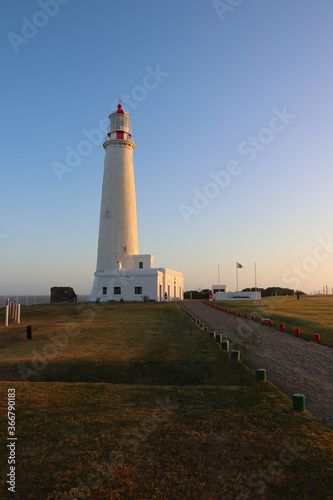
[120,125]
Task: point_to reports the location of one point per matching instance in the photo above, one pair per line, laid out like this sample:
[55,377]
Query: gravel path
[292,364]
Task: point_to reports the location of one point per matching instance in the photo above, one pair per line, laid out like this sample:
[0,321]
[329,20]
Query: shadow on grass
[223,372]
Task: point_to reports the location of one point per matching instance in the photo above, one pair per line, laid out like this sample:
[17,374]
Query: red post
[261,320]
[317,337]
[297,331]
[281,326]
[253,317]
[246,316]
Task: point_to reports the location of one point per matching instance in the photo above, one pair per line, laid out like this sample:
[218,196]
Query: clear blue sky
[223,80]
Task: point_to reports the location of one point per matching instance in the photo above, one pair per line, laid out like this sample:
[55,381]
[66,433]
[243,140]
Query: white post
[15,312]
[6,317]
[19,313]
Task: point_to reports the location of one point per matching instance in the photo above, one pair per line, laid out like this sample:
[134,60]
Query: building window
[138,290]
[117,290]
[105,290]
[140,265]
[125,248]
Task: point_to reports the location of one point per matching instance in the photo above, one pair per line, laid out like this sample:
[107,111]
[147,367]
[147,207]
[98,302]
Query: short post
[16,310]
[6,316]
[299,402]
[225,345]
[261,374]
[297,331]
[19,313]
[218,338]
[261,320]
[246,316]
[212,334]
[253,317]
[281,326]
[270,323]
[235,355]
[29,332]
[317,337]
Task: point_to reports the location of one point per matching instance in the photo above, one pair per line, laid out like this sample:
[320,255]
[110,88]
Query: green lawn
[183,421]
[312,314]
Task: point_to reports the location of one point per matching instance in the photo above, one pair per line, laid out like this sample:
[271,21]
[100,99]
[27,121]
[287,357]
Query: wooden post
[29,332]
[19,313]
[6,317]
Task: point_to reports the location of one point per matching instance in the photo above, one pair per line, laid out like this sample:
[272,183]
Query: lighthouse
[121,272]
[118,231]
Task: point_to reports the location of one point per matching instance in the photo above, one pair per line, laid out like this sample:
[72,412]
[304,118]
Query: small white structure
[123,273]
[218,288]
[238,296]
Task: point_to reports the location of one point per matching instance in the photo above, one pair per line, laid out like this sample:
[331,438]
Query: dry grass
[119,343]
[312,314]
[212,432]
[121,441]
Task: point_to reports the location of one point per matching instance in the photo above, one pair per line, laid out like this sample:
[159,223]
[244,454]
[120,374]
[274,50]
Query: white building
[122,273]
[237,296]
[218,288]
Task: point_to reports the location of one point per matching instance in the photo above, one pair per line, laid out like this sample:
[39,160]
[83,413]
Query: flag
[239,266]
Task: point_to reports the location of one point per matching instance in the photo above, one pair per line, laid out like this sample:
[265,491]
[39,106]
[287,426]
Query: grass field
[312,314]
[136,401]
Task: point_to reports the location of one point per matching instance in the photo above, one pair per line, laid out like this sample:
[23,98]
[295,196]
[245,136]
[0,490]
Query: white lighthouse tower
[118,231]
[122,273]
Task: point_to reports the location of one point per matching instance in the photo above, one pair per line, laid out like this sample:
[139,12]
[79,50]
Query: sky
[232,112]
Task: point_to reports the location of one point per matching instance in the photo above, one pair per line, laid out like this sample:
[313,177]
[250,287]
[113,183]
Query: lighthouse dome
[120,124]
